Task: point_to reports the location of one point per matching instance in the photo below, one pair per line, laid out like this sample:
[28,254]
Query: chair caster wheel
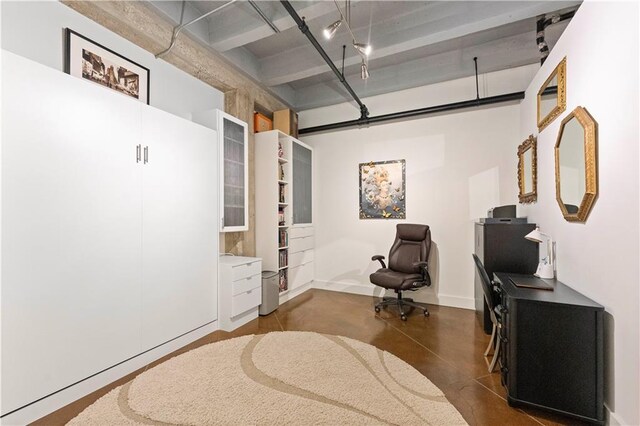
[403,317]
[377,309]
[426,313]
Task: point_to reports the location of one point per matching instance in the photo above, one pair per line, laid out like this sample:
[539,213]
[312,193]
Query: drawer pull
[249,292]
[248,278]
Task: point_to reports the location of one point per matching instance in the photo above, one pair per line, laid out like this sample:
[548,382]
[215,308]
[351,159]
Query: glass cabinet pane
[233,173]
[302,172]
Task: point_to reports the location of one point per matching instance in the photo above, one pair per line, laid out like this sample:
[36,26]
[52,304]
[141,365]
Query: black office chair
[408,267]
[491,297]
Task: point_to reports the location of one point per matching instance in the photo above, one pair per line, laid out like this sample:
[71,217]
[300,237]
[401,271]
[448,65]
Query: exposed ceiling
[414,42]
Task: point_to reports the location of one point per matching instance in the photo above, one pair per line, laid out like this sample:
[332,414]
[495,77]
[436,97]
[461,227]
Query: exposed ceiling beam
[227,32]
[427,28]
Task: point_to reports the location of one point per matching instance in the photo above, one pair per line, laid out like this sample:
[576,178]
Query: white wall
[457,166]
[600,258]
[35,30]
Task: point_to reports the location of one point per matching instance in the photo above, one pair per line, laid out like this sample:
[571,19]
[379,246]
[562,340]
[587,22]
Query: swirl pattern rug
[294,378]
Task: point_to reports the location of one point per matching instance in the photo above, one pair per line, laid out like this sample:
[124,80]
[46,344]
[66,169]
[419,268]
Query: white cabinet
[302,172]
[301,248]
[284,228]
[105,253]
[179,201]
[71,231]
[233,143]
[240,290]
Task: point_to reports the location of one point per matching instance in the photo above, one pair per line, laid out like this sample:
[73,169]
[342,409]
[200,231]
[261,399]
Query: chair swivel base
[400,303]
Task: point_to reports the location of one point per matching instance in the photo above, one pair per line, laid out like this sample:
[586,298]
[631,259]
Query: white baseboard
[371,290]
[612,419]
[64,397]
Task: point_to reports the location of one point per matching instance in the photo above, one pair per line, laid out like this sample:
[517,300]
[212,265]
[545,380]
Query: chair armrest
[379,258]
[426,278]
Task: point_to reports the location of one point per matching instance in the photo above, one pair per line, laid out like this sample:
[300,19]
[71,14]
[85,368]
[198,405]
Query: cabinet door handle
[146,154]
[138,147]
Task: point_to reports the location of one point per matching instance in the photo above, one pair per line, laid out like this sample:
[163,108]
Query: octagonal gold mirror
[552,96]
[527,171]
[576,154]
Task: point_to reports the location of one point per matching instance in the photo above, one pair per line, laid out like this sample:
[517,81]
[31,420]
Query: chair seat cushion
[387,278]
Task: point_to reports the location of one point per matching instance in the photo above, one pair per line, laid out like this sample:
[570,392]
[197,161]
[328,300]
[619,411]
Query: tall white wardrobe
[109,229]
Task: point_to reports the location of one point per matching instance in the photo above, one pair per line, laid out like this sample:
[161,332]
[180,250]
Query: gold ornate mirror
[552,96]
[527,170]
[577,165]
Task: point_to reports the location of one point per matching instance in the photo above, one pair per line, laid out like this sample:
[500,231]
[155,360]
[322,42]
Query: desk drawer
[301,244]
[245,270]
[244,301]
[246,284]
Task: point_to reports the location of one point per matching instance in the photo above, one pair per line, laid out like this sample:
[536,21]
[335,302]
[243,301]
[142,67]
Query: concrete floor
[446,347]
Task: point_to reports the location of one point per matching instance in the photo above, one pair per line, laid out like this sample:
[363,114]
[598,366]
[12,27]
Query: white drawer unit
[245,270]
[301,231]
[245,301]
[245,284]
[240,290]
[301,275]
[300,258]
[301,244]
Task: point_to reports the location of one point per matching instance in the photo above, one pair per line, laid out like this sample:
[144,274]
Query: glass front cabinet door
[234,173]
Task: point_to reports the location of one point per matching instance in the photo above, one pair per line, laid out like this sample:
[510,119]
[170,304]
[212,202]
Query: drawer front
[300,258]
[244,301]
[301,244]
[245,270]
[304,231]
[301,275]
[246,284]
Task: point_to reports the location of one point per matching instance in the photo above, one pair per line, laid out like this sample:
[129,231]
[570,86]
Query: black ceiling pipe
[414,113]
[364,112]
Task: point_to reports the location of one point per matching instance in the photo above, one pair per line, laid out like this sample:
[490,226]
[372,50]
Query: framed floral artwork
[382,190]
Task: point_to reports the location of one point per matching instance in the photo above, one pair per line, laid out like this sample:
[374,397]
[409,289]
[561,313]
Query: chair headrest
[412,232]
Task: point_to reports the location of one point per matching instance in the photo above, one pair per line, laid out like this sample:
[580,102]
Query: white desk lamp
[546,265]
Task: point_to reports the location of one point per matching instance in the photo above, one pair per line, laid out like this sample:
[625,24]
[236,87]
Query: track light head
[364,49]
[331,29]
[364,71]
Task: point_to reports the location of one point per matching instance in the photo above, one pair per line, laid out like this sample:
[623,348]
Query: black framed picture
[91,61]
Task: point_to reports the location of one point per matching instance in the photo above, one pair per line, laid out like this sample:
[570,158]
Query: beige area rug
[294,378]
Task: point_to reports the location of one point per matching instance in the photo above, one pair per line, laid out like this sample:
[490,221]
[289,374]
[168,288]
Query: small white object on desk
[240,290]
[546,267]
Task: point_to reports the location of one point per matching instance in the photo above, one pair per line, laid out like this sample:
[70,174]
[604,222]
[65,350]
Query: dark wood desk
[551,353]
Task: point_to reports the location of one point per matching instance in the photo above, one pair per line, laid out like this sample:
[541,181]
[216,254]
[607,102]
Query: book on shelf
[283,258]
[281,173]
[281,193]
[281,217]
[283,238]
[283,282]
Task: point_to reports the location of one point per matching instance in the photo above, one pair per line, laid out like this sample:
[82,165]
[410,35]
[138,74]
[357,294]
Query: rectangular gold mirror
[527,171]
[552,96]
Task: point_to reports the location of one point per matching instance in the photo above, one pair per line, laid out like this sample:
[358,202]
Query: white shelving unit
[283,246]
[273,211]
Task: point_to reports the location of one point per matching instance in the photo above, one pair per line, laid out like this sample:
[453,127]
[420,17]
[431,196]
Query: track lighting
[364,49]
[364,71]
[331,29]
